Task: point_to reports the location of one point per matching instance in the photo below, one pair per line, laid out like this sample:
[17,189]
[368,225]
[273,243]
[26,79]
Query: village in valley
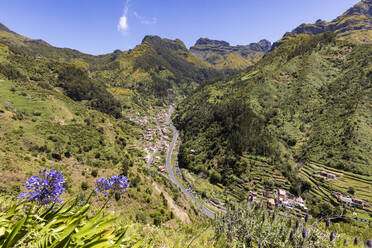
[156,136]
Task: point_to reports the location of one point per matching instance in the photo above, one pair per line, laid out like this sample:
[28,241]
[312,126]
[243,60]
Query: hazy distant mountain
[223,56]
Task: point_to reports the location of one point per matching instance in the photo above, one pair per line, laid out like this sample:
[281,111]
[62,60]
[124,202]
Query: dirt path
[178,212]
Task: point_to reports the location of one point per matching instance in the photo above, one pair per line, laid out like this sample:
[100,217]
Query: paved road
[171,174]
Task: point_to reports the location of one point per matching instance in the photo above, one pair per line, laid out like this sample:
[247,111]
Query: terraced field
[323,188]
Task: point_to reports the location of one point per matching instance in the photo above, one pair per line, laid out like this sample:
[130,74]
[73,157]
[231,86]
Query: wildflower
[291,236]
[102,185]
[304,232]
[369,243]
[297,224]
[327,222]
[273,216]
[276,206]
[356,241]
[119,183]
[263,217]
[306,218]
[115,185]
[281,230]
[45,188]
[331,237]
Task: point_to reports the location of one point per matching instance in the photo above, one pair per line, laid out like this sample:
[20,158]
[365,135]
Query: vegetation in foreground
[42,220]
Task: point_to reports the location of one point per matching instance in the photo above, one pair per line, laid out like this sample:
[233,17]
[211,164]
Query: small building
[252,195]
[282,195]
[346,200]
[299,200]
[328,175]
[270,203]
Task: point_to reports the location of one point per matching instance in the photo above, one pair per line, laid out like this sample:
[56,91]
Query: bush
[94,173]
[84,186]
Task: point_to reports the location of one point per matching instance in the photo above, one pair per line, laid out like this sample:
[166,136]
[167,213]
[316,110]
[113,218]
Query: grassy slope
[41,127]
[307,100]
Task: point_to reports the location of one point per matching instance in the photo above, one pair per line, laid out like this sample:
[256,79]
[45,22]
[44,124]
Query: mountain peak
[206,41]
[176,44]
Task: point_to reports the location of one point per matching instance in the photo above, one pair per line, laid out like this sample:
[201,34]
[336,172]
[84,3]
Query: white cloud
[123,21]
[123,25]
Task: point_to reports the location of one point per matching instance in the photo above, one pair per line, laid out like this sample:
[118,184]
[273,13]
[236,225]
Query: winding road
[171,173]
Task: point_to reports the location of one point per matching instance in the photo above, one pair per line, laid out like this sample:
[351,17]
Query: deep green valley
[262,145]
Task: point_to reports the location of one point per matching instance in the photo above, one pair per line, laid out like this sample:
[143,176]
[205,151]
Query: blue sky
[91,26]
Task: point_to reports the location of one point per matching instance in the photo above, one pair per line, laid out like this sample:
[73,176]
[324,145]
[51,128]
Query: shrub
[94,173]
[84,186]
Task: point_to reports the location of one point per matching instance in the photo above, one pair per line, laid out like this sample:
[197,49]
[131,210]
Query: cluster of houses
[140,121]
[281,198]
[350,201]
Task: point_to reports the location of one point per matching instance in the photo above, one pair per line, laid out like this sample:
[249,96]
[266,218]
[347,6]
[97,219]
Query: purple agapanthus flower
[102,185]
[119,183]
[115,184]
[45,188]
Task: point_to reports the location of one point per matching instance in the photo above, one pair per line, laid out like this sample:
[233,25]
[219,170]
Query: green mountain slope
[309,99]
[355,25]
[58,115]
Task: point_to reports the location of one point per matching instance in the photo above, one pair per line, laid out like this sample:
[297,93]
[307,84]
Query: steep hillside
[55,115]
[157,67]
[355,25]
[223,56]
[309,99]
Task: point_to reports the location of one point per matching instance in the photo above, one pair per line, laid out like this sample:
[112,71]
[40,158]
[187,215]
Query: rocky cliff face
[224,56]
[355,25]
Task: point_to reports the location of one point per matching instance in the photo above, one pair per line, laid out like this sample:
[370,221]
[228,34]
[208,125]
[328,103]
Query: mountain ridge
[221,55]
[355,24]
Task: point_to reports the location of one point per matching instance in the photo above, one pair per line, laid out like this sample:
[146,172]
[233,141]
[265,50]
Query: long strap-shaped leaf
[11,238]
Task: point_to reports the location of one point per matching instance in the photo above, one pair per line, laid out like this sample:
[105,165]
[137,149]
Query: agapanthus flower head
[369,243]
[304,234]
[356,241]
[297,223]
[119,183]
[276,205]
[45,188]
[331,237]
[115,185]
[291,236]
[102,185]
[328,222]
[306,217]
